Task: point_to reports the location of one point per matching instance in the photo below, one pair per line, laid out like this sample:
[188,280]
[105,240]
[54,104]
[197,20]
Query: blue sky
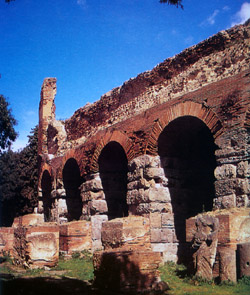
[92,46]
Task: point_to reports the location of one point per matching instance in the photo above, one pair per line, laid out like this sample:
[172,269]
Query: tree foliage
[177,3]
[7,123]
[19,181]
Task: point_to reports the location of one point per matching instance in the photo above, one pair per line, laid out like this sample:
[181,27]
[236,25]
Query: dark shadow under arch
[113,168]
[46,185]
[187,150]
[72,180]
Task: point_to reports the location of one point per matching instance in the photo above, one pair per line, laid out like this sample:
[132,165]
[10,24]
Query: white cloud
[211,19]
[82,3]
[242,15]
[226,8]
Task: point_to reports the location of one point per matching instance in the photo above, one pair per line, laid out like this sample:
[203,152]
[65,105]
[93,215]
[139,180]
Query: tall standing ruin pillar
[46,112]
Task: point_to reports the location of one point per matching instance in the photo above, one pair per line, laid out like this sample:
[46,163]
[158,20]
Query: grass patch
[181,284]
[79,266]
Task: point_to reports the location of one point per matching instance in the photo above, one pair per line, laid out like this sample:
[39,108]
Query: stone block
[244,259]
[42,250]
[42,245]
[160,207]
[155,162]
[242,169]
[168,250]
[168,235]
[225,171]
[228,202]
[136,174]
[93,185]
[154,173]
[131,271]
[231,186]
[139,162]
[137,196]
[167,220]
[138,184]
[96,225]
[6,240]
[28,220]
[242,201]
[156,235]
[98,206]
[159,194]
[227,263]
[139,209]
[155,220]
[126,233]
[62,207]
[75,236]
[89,196]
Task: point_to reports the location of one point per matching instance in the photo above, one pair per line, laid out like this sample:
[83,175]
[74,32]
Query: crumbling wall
[159,120]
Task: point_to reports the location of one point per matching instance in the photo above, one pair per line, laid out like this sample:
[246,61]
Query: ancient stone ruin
[156,170]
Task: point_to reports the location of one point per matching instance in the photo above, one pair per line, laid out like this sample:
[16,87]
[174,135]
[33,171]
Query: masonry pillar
[46,112]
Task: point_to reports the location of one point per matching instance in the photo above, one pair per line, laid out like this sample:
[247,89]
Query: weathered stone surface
[163,235]
[98,206]
[225,202]
[130,233]
[154,173]
[138,184]
[242,169]
[242,201]
[96,225]
[225,171]
[93,185]
[244,229]
[228,187]
[133,271]
[155,220]
[244,259]
[137,196]
[42,250]
[88,196]
[139,162]
[6,240]
[28,220]
[159,194]
[167,220]
[205,243]
[233,226]
[227,263]
[62,208]
[75,236]
[169,251]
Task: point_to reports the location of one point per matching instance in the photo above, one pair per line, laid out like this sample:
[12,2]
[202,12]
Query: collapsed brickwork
[165,146]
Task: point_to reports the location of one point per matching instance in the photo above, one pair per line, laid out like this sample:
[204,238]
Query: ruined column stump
[244,259]
[227,263]
[127,271]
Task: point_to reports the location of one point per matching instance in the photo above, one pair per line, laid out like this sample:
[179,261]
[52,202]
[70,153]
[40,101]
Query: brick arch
[187,108]
[116,136]
[70,154]
[47,167]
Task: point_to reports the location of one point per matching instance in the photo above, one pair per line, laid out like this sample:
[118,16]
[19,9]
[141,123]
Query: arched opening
[72,180]
[113,167]
[46,185]
[187,151]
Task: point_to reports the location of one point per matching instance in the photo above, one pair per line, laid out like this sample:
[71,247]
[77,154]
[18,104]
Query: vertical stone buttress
[46,112]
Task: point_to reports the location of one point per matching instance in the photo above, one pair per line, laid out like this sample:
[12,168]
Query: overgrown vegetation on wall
[18,181]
